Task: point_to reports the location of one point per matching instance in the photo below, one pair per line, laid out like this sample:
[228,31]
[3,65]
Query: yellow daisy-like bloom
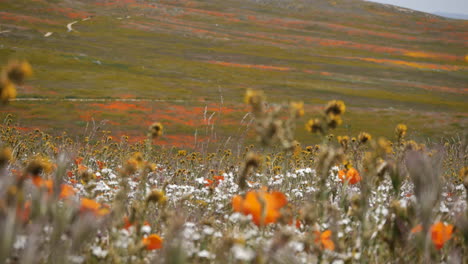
[297,108]
[400,130]
[314,125]
[333,120]
[336,107]
[156,130]
[364,137]
[7,91]
[17,71]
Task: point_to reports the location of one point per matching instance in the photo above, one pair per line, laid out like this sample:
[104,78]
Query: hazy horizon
[430,6]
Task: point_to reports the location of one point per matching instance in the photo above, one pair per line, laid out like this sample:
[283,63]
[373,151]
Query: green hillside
[179,61]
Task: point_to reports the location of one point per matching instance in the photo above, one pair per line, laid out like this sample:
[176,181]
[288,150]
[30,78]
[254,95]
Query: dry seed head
[464,176]
[336,107]
[343,140]
[411,145]
[156,196]
[253,97]
[364,137]
[5,156]
[252,160]
[38,165]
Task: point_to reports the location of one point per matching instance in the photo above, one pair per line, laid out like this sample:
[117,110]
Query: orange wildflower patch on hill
[68,12]
[122,106]
[249,66]
[24,18]
[418,65]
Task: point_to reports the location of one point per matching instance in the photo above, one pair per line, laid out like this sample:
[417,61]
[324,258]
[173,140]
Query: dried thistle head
[38,166]
[156,196]
[364,137]
[344,141]
[253,160]
[336,107]
[5,156]
[156,130]
[411,145]
[255,99]
[463,175]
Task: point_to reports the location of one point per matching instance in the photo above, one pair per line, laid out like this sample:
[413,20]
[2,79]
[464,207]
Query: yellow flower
[253,96]
[400,130]
[17,71]
[7,91]
[297,108]
[364,137]
[333,120]
[335,107]
[314,126]
[156,130]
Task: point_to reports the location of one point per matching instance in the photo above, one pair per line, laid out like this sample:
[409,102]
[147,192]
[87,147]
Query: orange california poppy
[41,183]
[324,240]
[263,206]
[127,223]
[351,175]
[66,191]
[218,178]
[89,205]
[208,182]
[101,165]
[78,160]
[441,233]
[153,242]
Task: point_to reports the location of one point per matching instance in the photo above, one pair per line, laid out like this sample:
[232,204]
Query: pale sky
[430,6]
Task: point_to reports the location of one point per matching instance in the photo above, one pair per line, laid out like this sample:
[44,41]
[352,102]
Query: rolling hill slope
[187,59]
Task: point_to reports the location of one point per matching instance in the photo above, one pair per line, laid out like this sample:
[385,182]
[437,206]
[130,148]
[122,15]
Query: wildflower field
[229,133]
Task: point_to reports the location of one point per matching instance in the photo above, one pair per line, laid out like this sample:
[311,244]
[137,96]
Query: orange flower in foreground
[88,205]
[78,160]
[127,223]
[217,180]
[324,239]
[41,183]
[263,206]
[441,233]
[153,242]
[66,191]
[351,175]
[208,182]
